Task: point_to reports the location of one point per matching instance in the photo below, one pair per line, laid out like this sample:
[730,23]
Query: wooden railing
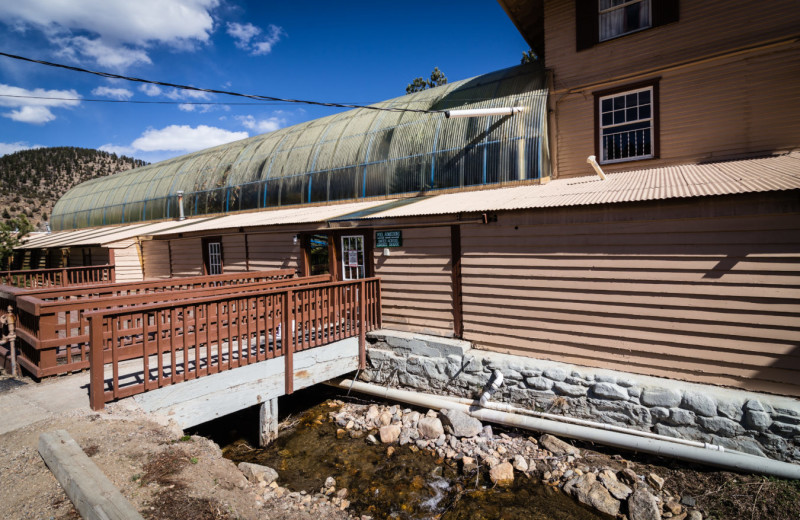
[61,277]
[166,343]
[53,334]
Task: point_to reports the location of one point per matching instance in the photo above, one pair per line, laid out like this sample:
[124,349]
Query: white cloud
[114,33]
[187,107]
[181,94]
[115,93]
[7,148]
[262,126]
[33,106]
[184,138]
[151,90]
[35,115]
[248,37]
[119,150]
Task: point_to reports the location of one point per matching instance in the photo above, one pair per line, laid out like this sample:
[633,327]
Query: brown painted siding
[692,295]
[187,257]
[128,266]
[155,256]
[99,256]
[272,251]
[416,286]
[234,253]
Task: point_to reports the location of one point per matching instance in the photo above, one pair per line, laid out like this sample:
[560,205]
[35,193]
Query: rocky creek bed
[388,461]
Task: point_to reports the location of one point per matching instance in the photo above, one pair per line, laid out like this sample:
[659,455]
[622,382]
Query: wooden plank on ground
[94,496]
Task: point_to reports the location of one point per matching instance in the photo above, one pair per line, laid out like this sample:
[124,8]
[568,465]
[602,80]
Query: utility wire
[213,91]
[142,102]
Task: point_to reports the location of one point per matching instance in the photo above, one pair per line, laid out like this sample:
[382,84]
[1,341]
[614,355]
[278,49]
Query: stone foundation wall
[759,424]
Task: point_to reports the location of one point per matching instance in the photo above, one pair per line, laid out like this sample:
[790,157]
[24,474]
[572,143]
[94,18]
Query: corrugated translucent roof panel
[103,235]
[355,154]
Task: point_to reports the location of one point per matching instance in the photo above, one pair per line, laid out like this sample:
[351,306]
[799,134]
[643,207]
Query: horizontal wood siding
[272,251]
[416,284]
[234,253]
[155,256]
[187,257]
[128,266]
[698,297]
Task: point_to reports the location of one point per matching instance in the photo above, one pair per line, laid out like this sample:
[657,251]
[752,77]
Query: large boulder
[642,505]
[256,473]
[430,427]
[390,433]
[587,490]
[557,447]
[502,474]
[461,424]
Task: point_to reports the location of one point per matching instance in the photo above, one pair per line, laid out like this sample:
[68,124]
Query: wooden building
[683,263]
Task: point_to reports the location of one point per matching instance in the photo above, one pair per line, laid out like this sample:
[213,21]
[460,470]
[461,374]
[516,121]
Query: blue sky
[351,52]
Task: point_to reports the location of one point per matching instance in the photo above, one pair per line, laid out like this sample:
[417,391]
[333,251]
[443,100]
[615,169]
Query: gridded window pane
[630,135]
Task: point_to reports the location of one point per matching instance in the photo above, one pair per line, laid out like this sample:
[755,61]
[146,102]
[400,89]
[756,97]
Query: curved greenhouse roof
[360,153]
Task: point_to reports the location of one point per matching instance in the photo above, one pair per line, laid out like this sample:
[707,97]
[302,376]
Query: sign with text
[389,238]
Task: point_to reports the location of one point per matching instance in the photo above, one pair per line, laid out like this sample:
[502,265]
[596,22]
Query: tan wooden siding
[723,109]
[272,251]
[234,253]
[128,266]
[187,257]
[699,298]
[704,29]
[416,283]
[155,257]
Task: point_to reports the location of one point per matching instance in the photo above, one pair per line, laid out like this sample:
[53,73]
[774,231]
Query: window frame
[587,21]
[655,118]
[601,12]
[206,241]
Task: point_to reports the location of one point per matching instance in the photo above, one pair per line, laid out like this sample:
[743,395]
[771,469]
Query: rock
[539,383]
[642,505]
[700,404]
[385,419]
[461,424]
[628,476]
[587,490]
[257,473]
[655,481]
[430,427]
[721,426]
[610,391]
[487,432]
[617,489]
[390,434]
[502,474]
[673,506]
[371,439]
[468,464]
[330,482]
[754,405]
[664,397]
[557,446]
[570,390]
[520,464]
[759,421]
[555,373]
[658,413]
[681,417]
[695,515]
[372,414]
[688,501]
[730,410]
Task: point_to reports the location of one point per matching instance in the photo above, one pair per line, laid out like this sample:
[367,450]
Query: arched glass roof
[356,154]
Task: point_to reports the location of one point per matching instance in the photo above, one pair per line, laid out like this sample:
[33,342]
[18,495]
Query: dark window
[601,20]
[212,255]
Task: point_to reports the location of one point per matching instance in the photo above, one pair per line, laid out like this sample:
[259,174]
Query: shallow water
[407,484]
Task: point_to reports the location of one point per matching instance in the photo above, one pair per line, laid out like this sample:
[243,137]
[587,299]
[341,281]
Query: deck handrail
[59,277]
[53,334]
[182,340]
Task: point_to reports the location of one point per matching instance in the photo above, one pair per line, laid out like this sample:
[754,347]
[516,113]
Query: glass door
[353,257]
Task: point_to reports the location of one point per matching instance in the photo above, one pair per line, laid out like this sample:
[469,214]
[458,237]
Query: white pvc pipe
[731,460]
[480,112]
[593,161]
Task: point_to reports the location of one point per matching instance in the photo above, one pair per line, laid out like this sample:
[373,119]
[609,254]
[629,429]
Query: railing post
[362,325]
[97,400]
[287,340]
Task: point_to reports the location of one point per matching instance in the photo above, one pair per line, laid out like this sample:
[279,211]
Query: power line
[143,102]
[214,91]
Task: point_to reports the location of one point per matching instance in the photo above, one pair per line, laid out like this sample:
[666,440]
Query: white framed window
[627,125]
[214,258]
[620,17]
[353,257]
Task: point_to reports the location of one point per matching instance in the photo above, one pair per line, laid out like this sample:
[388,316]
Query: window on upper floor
[620,17]
[602,20]
[626,123]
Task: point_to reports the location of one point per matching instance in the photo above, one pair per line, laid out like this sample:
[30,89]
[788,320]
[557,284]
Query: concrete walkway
[33,402]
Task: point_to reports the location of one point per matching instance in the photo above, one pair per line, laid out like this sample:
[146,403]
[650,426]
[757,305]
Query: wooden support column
[97,400]
[268,422]
[455,273]
[362,326]
[287,335]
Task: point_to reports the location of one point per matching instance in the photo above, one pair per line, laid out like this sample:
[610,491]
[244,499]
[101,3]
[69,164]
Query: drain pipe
[730,460]
[598,170]
[497,381]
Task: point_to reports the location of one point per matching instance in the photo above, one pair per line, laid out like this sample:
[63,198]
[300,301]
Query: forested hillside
[31,181]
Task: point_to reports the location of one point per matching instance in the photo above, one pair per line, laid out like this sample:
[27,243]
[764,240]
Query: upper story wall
[703,29]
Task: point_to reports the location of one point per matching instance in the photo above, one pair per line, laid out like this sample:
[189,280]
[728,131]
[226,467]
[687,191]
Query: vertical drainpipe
[181,215]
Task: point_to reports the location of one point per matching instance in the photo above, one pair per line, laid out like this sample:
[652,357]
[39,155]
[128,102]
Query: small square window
[619,17]
[628,135]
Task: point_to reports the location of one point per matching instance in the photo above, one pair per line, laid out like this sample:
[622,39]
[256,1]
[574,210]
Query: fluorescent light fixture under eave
[481,112]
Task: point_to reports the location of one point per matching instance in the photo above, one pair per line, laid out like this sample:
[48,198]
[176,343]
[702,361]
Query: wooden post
[455,260]
[268,422]
[362,325]
[97,400]
[12,339]
[286,341]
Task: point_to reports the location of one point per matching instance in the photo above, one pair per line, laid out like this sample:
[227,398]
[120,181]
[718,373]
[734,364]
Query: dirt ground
[170,476]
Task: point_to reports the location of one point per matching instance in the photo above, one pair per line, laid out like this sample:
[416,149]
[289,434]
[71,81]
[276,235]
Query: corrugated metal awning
[101,236]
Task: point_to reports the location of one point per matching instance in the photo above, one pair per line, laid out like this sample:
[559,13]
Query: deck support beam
[268,422]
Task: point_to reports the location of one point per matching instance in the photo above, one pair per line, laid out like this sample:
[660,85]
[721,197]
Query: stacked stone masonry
[759,424]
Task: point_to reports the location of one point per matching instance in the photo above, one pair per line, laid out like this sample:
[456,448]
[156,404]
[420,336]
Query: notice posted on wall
[352,258]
